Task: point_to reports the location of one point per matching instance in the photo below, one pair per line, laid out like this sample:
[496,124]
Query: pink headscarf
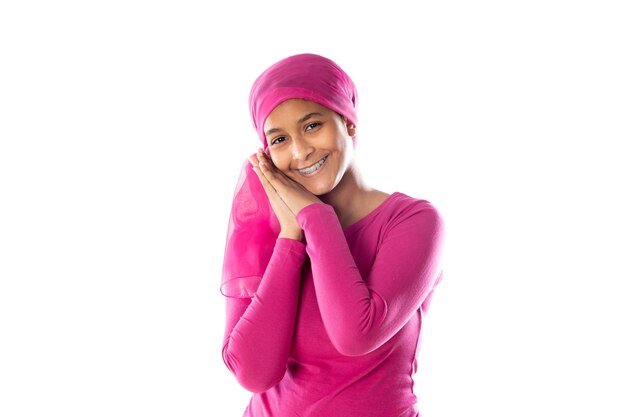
[253,227]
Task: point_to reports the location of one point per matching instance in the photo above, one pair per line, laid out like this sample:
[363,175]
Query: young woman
[327,279]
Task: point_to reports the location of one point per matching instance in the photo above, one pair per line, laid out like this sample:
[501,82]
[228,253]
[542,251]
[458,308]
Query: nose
[301,149]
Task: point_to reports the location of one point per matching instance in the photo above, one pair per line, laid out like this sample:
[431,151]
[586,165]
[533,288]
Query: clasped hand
[286,196]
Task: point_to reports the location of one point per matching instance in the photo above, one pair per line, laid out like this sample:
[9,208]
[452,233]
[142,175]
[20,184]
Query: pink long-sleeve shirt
[334,328]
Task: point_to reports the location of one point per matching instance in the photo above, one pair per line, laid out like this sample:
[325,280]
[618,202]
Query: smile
[314,167]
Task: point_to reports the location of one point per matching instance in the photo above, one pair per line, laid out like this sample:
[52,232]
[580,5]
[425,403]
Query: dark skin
[302,136]
[286,196]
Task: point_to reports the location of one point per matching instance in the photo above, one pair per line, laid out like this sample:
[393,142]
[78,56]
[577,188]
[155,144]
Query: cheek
[345,146]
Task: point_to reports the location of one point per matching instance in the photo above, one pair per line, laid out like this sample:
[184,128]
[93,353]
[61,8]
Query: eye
[278,140]
[312,126]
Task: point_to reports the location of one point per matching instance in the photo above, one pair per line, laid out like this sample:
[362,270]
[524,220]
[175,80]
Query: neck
[349,194]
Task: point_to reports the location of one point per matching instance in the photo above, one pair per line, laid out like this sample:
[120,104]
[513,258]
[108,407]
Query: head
[304,107]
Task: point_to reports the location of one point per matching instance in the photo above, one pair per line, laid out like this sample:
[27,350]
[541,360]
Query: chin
[319,189]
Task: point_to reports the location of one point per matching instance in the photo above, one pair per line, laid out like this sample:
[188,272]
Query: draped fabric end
[251,229]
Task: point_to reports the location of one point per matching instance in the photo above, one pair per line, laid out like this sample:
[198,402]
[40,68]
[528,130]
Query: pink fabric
[253,228]
[334,328]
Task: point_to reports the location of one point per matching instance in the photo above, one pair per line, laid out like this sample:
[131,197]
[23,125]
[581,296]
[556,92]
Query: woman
[327,279]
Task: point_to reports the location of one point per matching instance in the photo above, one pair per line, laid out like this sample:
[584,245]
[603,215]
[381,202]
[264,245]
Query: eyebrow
[300,120]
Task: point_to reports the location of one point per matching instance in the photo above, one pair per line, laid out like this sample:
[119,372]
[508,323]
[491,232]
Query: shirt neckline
[368,216]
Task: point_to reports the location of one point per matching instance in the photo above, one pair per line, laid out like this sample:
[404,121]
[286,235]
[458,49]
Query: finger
[264,181]
[265,158]
[275,199]
[270,191]
[275,176]
[272,182]
[254,161]
[268,167]
[259,173]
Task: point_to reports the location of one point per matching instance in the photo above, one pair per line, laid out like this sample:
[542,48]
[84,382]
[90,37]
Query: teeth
[314,167]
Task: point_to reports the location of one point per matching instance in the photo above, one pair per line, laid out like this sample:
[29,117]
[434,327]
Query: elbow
[353,346]
[364,335]
[258,383]
[352,351]
[253,377]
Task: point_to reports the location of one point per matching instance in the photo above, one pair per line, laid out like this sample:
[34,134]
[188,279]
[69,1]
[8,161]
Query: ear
[351,128]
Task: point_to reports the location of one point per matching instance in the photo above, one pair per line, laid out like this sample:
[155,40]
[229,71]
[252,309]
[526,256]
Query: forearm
[258,337]
[344,299]
[361,313]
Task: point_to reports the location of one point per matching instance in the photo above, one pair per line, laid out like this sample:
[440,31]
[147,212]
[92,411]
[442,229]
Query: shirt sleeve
[361,313]
[259,331]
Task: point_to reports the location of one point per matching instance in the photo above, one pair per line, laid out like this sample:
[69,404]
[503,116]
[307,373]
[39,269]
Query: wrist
[292,234]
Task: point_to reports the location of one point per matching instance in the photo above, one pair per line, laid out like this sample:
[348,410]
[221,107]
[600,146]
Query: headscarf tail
[252,232]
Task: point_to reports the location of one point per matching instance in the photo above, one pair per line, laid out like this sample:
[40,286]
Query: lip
[316,171]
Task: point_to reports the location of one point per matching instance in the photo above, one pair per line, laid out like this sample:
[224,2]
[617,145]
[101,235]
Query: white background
[123,125]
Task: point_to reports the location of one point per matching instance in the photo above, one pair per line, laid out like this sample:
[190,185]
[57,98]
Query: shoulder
[402,204]
[402,208]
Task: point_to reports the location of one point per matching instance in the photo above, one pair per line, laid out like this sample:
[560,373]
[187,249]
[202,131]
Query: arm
[362,313]
[259,331]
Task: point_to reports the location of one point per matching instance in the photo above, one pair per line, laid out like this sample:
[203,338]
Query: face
[310,143]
